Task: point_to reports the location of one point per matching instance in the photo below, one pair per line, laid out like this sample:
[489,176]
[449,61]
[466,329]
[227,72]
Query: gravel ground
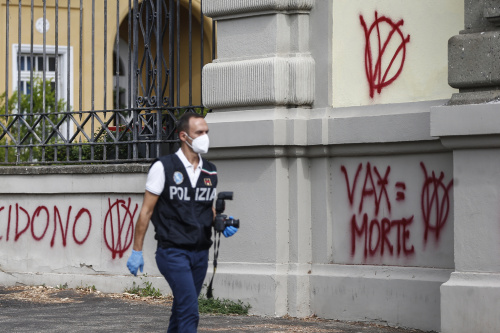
[45,309]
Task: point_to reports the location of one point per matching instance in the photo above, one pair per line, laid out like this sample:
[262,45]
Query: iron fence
[157,48]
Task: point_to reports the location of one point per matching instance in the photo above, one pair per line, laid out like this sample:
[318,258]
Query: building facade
[361,143]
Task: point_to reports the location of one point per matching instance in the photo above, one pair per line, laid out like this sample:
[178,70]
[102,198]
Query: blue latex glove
[135,262]
[229,231]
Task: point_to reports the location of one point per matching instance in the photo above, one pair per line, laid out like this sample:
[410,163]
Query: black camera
[221,220]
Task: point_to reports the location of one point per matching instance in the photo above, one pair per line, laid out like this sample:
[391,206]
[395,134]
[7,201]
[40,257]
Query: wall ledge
[224,9]
[465,120]
[319,151]
[74,169]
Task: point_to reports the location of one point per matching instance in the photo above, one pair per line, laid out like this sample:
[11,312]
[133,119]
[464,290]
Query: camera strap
[216,255]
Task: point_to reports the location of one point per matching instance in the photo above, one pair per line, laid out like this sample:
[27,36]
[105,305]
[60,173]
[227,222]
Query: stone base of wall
[397,296]
[470,303]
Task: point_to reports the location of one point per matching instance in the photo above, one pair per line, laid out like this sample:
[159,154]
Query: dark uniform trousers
[184,271]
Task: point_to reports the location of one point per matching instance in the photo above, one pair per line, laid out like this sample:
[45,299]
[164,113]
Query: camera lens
[234,223]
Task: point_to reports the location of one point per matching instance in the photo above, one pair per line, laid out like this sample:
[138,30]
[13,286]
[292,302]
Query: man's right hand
[135,262]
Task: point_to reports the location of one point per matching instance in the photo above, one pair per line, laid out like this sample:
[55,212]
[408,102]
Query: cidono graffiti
[71,224]
[20,222]
[379,233]
[376,48]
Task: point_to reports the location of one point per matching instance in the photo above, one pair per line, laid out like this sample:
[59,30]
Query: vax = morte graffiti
[371,220]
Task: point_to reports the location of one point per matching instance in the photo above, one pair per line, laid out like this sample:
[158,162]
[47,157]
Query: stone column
[262,59]
[470,125]
[261,88]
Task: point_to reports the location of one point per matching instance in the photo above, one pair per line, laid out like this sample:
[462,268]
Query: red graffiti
[36,214]
[118,235]
[350,190]
[39,222]
[77,218]
[373,189]
[377,234]
[378,78]
[18,234]
[1,208]
[400,195]
[64,229]
[119,228]
[435,202]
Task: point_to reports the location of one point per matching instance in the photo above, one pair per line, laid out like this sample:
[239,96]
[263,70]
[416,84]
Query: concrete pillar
[474,54]
[470,125]
[261,88]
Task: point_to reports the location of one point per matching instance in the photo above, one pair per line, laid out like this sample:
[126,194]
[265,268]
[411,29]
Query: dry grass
[43,294]
[271,328]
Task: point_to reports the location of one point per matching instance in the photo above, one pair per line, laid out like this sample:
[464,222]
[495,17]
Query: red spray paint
[378,233]
[376,75]
[118,228]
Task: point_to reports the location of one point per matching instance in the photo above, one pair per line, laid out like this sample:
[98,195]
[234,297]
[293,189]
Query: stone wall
[72,225]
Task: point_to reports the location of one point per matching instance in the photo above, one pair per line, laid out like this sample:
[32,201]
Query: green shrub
[147,290]
[222,306]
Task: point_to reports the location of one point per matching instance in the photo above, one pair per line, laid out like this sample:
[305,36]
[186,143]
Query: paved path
[74,312]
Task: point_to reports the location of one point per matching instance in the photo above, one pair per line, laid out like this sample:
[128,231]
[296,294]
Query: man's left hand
[135,262]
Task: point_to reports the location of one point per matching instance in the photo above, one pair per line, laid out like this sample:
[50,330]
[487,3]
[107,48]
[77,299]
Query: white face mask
[200,144]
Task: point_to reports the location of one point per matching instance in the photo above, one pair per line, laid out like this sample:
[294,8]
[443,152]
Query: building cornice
[221,9]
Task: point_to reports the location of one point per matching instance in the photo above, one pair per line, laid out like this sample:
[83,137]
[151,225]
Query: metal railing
[151,84]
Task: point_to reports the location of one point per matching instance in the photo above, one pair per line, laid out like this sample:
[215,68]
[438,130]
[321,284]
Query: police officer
[180,191]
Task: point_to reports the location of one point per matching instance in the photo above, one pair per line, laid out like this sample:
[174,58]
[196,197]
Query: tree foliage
[39,130]
[30,123]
